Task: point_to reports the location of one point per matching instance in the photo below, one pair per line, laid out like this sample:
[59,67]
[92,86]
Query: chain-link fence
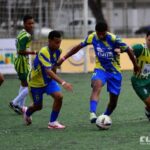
[68,16]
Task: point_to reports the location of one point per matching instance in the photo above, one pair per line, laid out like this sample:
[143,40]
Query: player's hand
[67,86]
[60,61]
[118,51]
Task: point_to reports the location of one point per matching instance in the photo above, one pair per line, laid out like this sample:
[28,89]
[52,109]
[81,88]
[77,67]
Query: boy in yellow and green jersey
[141,82]
[21,63]
[43,79]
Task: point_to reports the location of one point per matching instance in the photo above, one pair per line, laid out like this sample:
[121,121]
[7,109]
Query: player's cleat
[28,120]
[55,125]
[16,108]
[147,113]
[93,117]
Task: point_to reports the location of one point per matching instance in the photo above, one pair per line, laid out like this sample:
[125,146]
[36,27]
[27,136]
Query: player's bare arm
[27,52]
[137,69]
[54,76]
[73,51]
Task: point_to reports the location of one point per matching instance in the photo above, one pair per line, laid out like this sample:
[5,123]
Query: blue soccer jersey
[44,60]
[106,58]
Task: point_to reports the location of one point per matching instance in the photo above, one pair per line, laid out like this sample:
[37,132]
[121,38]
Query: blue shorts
[37,93]
[113,80]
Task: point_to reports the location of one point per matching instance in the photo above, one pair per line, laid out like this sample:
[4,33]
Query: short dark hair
[101,26]
[54,34]
[148,33]
[27,17]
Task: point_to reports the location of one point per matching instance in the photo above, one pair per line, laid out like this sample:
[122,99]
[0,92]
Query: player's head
[148,39]
[101,29]
[28,22]
[54,39]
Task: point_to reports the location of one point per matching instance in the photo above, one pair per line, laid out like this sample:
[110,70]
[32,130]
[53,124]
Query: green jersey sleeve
[137,49]
[23,43]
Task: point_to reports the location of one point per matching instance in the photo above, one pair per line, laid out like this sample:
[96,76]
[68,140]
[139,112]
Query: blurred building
[123,17]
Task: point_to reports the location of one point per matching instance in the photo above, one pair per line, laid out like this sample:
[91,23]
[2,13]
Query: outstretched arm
[70,53]
[27,52]
[137,69]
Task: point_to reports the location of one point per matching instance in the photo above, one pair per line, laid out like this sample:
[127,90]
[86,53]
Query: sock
[54,115]
[21,102]
[21,97]
[93,106]
[107,112]
[21,88]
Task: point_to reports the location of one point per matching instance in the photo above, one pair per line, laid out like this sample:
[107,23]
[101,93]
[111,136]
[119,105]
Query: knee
[97,86]
[59,97]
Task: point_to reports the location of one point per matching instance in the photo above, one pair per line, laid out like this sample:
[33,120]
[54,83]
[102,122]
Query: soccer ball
[103,122]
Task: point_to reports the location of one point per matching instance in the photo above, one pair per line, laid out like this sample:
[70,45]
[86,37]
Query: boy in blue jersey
[107,68]
[43,79]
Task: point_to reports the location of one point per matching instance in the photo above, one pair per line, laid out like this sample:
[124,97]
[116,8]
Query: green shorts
[141,87]
[22,67]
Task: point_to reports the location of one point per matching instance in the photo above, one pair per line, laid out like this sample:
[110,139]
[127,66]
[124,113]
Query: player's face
[29,25]
[54,44]
[148,41]
[101,35]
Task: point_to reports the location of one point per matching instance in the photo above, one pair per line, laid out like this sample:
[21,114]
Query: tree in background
[96,8]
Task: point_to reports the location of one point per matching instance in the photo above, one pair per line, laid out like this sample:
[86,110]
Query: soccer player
[43,79]
[21,62]
[1,79]
[141,82]
[107,68]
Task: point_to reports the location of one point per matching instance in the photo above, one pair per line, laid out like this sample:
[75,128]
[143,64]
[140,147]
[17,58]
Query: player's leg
[111,104]
[36,95]
[142,89]
[22,69]
[54,90]
[1,79]
[18,102]
[114,87]
[97,81]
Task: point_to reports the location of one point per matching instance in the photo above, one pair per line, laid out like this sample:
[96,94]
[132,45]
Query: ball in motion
[103,122]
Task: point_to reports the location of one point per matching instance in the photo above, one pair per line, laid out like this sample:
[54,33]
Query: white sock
[19,100]
[21,88]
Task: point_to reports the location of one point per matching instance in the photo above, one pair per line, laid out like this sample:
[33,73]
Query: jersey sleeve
[23,43]
[88,40]
[45,62]
[120,44]
[137,49]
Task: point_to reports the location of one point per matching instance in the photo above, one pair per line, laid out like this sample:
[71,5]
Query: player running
[21,62]
[107,69]
[43,79]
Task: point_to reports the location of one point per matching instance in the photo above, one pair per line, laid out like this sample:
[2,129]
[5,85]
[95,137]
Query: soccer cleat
[147,113]
[55,125]
[28,120]
[93,117]
[16,108]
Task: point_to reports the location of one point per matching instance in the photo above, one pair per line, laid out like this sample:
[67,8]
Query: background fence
[68,16]
[74,19]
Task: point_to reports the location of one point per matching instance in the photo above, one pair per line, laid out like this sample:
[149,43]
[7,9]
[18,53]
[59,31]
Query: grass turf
[129,121]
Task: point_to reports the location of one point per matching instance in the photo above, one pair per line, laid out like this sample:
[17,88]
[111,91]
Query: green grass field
[129,121]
